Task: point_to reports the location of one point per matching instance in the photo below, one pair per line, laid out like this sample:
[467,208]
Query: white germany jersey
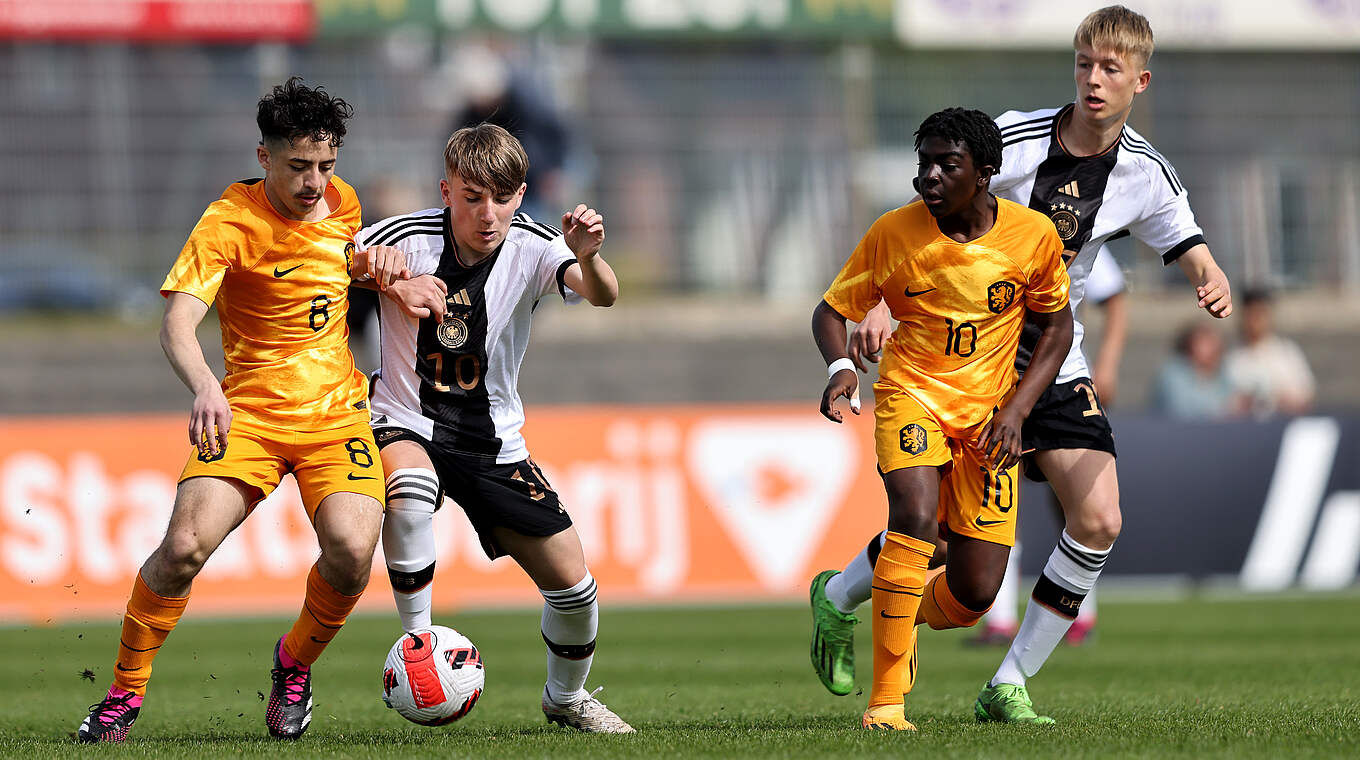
[1128,189]
[453,378]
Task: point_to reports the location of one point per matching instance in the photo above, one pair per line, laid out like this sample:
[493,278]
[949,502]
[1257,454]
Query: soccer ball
[433,676]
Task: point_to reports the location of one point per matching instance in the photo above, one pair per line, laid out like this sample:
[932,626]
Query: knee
[977,597]
[1097,529]
[349,561]
[180,556]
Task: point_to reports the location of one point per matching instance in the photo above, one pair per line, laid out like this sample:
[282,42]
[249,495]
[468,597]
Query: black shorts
[514,495]
[1067,416]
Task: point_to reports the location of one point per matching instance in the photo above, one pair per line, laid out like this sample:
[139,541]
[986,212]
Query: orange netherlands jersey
[959,306]
[281,290]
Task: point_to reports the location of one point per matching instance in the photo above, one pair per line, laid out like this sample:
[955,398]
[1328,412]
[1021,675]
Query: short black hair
[293,110]
[973,128]
[1257,294]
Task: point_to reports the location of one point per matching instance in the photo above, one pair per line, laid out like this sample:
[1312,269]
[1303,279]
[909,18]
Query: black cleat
[290,700]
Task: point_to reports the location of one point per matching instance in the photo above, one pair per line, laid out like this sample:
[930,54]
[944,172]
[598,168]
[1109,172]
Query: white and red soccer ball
[433,676]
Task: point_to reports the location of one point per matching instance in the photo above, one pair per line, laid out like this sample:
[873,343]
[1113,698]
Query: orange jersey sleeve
[281,291]
[959,306]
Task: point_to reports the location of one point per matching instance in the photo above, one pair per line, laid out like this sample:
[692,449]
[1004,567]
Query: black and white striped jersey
[1128,189]
[453,378]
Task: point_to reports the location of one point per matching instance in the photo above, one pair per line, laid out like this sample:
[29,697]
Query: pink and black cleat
[290,700]
[112,718]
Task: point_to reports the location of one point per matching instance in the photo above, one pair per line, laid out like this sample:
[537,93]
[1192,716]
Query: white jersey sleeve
[1166,224]
[551,269]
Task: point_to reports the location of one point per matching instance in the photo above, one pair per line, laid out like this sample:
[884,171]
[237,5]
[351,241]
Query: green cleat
[1007,703]
[833,639]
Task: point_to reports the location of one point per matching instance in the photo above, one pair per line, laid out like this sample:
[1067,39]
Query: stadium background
[737,149]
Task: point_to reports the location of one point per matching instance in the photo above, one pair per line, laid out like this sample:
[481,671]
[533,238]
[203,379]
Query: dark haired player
[1097,179]
[962,271]
[277,257]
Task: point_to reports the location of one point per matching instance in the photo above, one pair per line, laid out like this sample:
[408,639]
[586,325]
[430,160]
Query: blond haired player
[446,406]
[961,270]
[1097,179]
[276,256]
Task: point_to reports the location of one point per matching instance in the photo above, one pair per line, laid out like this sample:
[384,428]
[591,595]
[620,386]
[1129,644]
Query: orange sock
[899,575]
[150,618]
[941,610]
[323,613]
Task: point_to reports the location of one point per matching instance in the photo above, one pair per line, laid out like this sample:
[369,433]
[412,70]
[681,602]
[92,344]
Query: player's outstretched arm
[418,297]
[1211,285]
[380,264]
[866,342]
[828,330]
[591,275]
[1000,438]
[210,416]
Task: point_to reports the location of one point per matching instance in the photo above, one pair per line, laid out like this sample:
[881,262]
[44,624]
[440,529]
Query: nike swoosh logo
[914,293]
[281,272]
[981,523]
[890,617]
[119,665]
[352,476]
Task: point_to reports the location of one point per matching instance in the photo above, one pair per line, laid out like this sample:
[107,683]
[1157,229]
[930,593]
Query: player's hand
[1215,296]
[420,297]
[385,265]
[866,342]
[1000,440]
[209,422]
[583,229]
[844,383]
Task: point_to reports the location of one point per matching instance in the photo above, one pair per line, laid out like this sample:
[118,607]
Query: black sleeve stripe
[1035,136]
[1162,163]
[534,228]
[562,276]
[395,232]
[1118,235]
[1180,248]
[555,232]
[525,219]
[388,224]
[412,233]
[1045,121]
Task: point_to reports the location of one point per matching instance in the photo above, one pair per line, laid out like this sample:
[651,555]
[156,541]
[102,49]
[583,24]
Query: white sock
[1006,606]
[1087,613]
[570,620]
[408,543]
[849,588]
[1068,577]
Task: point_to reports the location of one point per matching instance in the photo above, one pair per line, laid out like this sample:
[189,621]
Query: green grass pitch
[1244,677]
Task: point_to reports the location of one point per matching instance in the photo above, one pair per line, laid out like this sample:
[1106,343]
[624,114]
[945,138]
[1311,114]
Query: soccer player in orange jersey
[276,256]
[961,270]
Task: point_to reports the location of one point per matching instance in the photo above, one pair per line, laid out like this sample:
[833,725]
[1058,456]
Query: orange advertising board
[696,503]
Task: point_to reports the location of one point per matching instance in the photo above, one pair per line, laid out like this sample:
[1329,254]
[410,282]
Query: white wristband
[839,365]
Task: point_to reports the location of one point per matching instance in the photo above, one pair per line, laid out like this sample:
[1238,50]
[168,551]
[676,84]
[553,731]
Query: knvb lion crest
[349,256]
[1000,295]
[913,439]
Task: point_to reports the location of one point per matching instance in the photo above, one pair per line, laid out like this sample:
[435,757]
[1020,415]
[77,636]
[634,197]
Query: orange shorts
[342,460]
[975,500]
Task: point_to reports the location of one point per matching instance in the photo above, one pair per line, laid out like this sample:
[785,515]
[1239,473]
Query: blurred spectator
[1194,383]
[1270,371]
[494,93]
[1105,288]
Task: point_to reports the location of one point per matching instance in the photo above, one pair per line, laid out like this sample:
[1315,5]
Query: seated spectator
[1193,384]
[1270,371]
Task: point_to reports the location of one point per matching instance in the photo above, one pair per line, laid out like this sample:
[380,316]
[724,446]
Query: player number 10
[467,371]
[955,335]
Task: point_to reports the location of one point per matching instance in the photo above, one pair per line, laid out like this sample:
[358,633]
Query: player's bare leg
[206,511]
[413,493]
[347,526]
[557,565]
[1087,486]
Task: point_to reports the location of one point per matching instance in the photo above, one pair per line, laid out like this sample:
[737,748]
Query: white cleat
[586,714]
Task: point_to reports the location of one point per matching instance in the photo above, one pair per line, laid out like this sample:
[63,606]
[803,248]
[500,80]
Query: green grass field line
[1260,677]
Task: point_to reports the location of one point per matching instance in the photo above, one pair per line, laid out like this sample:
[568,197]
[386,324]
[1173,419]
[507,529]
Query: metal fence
[746,168]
